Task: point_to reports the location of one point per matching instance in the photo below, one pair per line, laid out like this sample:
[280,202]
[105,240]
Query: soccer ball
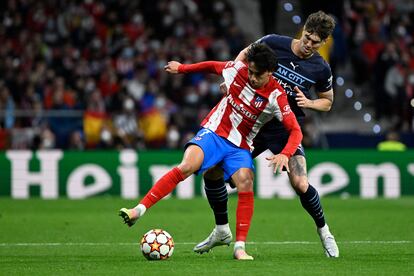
[157,244]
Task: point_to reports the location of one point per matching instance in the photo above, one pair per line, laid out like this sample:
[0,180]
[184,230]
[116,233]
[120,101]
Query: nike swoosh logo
[225,238]
[236,84]
[154,195]
[243,224]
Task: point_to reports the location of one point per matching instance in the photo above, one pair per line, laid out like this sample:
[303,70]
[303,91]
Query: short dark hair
[263,57]
[321,24]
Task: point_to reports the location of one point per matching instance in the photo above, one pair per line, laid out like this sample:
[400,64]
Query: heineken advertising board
[129,174]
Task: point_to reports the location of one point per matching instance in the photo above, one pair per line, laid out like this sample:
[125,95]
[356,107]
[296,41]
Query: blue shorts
[218,150]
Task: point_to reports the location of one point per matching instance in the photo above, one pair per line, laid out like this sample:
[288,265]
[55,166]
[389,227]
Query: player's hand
[301,99]
[278,161]
[172,67]
[223,88]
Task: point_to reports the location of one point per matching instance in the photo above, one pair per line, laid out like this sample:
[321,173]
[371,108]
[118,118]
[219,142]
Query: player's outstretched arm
[215,67]
[172,67]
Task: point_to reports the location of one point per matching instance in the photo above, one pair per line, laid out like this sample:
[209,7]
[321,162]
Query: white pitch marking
[185,243]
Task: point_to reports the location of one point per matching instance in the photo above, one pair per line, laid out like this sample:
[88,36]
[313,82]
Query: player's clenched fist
[172,67]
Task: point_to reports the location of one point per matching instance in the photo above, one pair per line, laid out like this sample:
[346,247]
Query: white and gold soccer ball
[157,244]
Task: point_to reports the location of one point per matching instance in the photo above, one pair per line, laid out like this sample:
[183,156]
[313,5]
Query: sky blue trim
[289,80]
[284,67]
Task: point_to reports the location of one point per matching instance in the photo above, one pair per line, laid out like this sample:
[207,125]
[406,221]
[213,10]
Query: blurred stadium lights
[367,117]
[288,7]
[349,93]
[376,129]
[357,105]
[296,19]
[340,81]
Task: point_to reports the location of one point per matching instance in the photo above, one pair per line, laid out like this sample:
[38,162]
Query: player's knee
[187,169]
[300,185]
[245,183]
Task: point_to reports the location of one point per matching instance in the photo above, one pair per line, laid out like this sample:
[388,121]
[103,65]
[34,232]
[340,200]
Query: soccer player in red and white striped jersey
[244,109]
[226,137]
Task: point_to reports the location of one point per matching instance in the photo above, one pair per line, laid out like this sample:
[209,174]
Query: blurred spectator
[76,141]
[7,106]
[398,86]
[126,126]
[173,137]
[57,55]
[392,143]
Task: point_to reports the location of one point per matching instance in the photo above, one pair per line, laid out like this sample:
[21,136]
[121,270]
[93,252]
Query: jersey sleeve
[215,67]
[292,126]
[325,81]
[271,40]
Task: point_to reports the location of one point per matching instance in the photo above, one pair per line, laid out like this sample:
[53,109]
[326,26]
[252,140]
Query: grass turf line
[360,226]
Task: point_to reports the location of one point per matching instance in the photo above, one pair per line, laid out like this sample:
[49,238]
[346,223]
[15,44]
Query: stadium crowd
[380,39]
[85,74]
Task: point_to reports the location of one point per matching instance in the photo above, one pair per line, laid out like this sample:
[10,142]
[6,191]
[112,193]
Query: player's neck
[295,47]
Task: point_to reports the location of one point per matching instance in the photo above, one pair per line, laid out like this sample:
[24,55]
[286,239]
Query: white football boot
[328,242]
[216,238]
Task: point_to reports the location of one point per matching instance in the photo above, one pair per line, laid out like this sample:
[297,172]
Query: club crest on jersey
[258,101]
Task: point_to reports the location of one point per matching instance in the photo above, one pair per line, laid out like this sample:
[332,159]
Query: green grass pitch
[86,237]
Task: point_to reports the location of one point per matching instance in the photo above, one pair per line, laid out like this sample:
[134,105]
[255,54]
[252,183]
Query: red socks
[244,215]
[163,187]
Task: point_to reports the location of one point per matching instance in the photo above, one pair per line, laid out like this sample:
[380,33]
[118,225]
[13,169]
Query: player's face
[309,43]
[257,79]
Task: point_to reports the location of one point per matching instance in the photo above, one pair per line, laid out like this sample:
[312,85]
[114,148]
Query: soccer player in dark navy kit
[299,68]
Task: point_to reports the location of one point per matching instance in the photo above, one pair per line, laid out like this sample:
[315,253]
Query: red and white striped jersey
[241,113]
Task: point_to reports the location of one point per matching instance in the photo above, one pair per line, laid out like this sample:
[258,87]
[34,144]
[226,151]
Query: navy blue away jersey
[293,71]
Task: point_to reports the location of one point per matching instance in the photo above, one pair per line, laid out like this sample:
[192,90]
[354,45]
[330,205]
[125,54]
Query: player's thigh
[214,173]
[235,159]
[192,160]
[212,146]
[298,175]
[243,179]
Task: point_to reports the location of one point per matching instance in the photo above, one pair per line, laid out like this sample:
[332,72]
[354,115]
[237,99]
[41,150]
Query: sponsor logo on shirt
[294,65]
[241,108]
[286,110]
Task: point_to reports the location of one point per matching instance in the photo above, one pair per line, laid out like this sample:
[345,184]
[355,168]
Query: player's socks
[244,214]
[311,202]
[239,252]
[163,187]
[217,196]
